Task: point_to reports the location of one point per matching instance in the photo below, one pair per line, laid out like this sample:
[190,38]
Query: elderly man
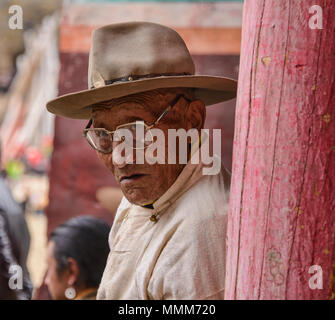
[168,236]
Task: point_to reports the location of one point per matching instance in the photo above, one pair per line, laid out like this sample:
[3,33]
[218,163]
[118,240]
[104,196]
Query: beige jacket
[182,255]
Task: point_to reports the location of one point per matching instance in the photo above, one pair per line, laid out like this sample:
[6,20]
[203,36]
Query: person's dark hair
[85,239]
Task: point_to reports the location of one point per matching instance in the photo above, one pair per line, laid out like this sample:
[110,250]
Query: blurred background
[50,169]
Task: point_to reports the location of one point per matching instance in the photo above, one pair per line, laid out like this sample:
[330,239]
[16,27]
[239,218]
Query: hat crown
[138,49]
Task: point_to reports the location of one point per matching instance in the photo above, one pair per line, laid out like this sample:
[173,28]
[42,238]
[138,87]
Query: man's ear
[73,271]
[195,115]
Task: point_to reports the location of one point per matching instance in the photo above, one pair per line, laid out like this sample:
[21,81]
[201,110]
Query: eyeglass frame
[148,127]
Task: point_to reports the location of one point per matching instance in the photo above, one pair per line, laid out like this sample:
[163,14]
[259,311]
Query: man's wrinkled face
[144,183]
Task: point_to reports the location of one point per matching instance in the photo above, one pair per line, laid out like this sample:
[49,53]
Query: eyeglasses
[103,140]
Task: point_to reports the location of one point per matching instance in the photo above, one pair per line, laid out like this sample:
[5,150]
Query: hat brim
[209,89]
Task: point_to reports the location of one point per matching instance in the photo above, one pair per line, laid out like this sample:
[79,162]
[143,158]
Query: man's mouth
[130,178]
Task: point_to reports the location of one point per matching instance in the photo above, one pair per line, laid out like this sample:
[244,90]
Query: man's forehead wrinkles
[123,108]
[153,101]
[144,99]
[121,114]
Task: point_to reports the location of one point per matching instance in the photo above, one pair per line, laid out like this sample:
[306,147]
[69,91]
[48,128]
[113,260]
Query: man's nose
[123,155]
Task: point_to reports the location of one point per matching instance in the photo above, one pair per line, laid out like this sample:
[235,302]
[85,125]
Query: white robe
[182,255]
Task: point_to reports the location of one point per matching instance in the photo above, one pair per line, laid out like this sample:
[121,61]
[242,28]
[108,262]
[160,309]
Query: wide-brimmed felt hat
[132,57]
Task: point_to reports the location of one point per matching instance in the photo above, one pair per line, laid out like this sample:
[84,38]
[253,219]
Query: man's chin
[135,196]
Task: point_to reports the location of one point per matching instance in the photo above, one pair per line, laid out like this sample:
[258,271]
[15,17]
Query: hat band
[138,77]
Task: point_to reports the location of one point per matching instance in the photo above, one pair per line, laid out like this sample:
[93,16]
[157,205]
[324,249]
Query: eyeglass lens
[136,136]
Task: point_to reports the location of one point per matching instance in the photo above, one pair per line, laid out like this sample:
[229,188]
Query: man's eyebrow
[135,118]
[98,124]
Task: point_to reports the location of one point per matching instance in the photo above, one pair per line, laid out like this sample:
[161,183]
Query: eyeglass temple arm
[87,127]
[172,104]
[89,124]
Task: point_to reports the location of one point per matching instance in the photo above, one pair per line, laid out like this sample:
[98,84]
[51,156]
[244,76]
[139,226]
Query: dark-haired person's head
[77,253]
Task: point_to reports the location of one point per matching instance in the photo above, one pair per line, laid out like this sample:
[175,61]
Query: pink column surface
[282,216]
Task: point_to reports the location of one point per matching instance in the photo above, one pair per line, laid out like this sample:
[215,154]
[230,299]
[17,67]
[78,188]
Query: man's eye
[101,134]
[133,128]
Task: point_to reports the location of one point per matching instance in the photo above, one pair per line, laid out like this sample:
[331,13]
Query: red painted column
[282,216]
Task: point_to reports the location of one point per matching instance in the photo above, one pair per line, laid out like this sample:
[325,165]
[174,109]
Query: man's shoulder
[209,191]
[203,207]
